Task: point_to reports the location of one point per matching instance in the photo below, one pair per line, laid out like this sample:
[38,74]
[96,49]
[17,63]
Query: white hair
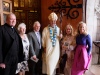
[21,25]
[35,23]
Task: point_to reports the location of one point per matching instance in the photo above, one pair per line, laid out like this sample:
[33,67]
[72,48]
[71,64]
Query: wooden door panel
[27,13]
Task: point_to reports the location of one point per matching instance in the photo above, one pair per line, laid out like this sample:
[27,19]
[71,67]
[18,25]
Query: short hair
[53,16]
[21,25]
[8,15]
[36,22]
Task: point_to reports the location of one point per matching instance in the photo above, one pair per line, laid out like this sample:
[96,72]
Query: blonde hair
[69,25]
[82,23]
[21,25]
[53,16]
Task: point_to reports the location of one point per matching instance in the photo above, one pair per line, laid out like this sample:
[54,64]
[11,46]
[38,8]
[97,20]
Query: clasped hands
[34,57]
[65,47]
[2,65]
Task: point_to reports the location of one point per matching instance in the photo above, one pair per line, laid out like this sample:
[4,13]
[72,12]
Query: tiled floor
[94,70]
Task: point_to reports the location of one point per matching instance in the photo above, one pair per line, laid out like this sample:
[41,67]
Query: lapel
[36,37]
[8,29]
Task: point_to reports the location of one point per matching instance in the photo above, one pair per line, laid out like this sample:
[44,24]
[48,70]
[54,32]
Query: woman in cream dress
[50,42]
[67,46]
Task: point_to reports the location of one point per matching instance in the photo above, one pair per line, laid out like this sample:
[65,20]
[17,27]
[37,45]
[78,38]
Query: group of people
[31,49]
[18,49]
[20,52]
[77,49]
[74,48]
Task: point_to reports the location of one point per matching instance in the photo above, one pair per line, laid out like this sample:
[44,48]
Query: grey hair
[21,25]
[35,23]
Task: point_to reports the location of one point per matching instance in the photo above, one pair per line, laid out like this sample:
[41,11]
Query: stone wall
[93,27]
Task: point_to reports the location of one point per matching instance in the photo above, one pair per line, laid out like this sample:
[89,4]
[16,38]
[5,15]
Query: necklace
[53,35]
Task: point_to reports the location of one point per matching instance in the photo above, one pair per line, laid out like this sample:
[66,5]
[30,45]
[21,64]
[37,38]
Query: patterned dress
[67,46]
[23,66]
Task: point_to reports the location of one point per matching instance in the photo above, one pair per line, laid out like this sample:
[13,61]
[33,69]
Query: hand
[34,57]
[65,47]
[61,35]
[89,53]
[2,65]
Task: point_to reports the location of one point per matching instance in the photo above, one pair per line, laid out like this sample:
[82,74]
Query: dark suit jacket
[34,44]
[7,44]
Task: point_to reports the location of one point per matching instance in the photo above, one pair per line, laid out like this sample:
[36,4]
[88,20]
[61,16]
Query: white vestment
[52,53]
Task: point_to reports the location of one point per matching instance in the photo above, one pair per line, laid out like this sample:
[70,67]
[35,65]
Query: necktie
[38,37]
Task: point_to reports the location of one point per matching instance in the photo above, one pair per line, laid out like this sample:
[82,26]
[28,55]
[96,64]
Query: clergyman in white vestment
[50,42]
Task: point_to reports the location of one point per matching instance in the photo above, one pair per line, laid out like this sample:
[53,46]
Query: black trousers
[11,66]
[35,68]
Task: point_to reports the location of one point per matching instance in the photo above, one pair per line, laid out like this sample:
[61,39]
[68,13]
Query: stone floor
[94,70]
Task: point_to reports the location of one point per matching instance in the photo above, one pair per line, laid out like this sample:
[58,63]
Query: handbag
[63,62]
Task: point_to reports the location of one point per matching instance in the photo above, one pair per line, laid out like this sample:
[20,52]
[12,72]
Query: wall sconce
[19,10]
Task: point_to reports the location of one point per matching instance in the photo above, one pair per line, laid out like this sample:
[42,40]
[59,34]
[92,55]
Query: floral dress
[67,46]
[23,66]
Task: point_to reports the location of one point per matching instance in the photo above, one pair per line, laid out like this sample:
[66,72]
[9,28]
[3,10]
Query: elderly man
[35,49]
[50,41]
[11,48]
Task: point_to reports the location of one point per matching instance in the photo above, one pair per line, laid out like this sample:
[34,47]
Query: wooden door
[27,11]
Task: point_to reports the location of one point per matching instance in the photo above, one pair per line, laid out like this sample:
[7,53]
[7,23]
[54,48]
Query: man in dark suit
[35,49]
[11,49]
